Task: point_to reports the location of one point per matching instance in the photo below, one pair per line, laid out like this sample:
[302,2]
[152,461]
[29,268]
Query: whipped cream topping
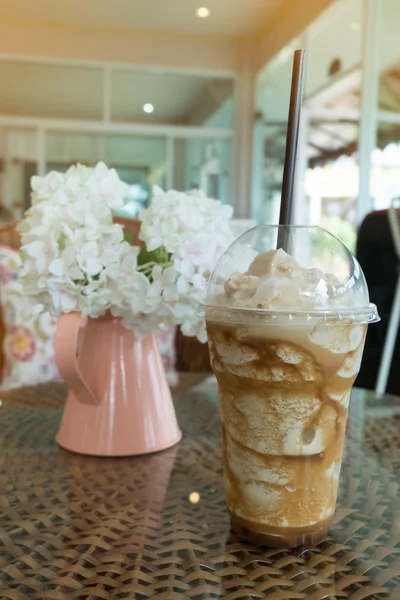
[275,280]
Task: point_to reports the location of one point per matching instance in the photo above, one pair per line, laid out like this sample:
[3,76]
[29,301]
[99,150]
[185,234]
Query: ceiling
[227,18]
[178,99]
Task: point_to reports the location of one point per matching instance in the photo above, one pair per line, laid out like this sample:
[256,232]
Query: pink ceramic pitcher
[119,402]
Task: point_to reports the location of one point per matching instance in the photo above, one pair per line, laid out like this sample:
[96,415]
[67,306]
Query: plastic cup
[285,366]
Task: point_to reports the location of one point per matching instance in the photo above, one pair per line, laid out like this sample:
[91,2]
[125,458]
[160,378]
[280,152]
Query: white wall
[155,49]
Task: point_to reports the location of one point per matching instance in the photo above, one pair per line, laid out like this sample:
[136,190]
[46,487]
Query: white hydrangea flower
[74,258]
[70,246]
[195,328]
[194,230]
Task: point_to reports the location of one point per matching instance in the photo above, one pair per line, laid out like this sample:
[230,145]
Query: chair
[378,258]
[131,229]
[9,236]
[393,327]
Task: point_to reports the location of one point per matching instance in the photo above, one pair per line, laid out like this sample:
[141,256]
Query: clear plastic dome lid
[297,271]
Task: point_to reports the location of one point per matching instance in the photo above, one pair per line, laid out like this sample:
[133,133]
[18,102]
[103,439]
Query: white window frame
[105,125]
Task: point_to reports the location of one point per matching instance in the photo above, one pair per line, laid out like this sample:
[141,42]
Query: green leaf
[159,256]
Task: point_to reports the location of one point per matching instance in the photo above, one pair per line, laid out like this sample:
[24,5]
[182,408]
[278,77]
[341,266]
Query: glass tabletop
[157,527]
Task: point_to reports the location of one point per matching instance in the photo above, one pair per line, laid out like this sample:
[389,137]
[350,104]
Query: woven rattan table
[156,526]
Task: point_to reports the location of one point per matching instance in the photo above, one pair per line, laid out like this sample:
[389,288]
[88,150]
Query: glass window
[18,166]
[334,43]
[385,166]
[41,90]
[171,98]
[389,56]
[327,193]
[272,103]
[203,164]
[139,160]
[273,86]
[274,149]
[332,178]
[333,73]
[64,149]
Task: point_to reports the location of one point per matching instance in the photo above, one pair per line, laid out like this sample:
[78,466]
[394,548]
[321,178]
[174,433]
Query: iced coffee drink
[286,344]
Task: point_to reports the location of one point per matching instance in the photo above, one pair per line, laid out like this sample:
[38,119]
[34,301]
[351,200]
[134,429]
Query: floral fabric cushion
[28,338]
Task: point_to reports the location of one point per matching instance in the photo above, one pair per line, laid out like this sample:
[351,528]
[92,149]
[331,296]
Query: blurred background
[195,93]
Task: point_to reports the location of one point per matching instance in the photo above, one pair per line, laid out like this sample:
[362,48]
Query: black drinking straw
[292,136]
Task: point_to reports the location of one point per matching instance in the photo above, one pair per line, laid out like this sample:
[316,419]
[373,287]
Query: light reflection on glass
[194,497]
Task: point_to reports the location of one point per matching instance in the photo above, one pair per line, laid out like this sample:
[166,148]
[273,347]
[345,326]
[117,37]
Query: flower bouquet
[76,262]
[75,258]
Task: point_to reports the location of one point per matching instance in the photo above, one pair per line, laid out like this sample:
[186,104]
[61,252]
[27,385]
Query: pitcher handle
[65,346]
